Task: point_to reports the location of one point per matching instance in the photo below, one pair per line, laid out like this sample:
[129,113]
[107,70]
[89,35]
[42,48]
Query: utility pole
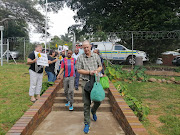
[1,28]
[46,26]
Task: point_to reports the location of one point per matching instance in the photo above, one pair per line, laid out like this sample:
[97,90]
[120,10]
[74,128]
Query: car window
[117,47]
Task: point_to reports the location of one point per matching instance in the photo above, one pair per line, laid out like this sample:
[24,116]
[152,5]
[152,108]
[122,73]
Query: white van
[118,53]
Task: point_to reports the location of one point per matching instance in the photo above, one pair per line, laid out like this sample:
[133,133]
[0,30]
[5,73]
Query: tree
[116,15]
[24,11]
[130,15]
[62,40]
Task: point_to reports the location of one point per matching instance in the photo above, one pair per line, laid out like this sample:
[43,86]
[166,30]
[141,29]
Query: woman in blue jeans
[50,70]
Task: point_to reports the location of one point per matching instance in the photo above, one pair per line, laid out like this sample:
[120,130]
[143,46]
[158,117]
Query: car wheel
[130,61]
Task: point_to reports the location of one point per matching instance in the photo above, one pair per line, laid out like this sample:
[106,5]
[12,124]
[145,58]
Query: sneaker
[86,129]
[76,89]
[68,103]
[71,108]
[94,116]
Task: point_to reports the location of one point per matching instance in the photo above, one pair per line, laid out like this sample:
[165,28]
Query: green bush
[45,86]
[139,110]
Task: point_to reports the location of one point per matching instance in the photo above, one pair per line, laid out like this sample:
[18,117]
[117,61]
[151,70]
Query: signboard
[65,47]
[60,48]
[41,59]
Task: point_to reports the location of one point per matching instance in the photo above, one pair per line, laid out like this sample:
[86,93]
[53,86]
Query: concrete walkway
[71,123]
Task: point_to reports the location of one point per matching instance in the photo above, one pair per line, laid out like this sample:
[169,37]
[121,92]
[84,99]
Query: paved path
[71,123]
[61,121]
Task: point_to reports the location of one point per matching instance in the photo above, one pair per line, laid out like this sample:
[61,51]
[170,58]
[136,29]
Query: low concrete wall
[37,112]
[123,113]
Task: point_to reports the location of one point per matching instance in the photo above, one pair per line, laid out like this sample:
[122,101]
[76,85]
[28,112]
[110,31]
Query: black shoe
[76,89]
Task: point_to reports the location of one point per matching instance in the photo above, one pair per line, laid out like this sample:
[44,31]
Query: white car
[118,52]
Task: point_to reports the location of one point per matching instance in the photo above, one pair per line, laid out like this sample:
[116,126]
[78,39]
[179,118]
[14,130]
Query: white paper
[43,60]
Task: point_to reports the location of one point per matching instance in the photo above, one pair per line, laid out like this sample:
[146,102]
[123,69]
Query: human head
[56,54]
[38,48]
[81,46]
[76,51]
[63,53]
[52,53]
[87,47]
[69,54]
[96,51]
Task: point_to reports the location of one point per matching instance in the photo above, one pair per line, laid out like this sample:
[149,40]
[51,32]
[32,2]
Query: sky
[59,23]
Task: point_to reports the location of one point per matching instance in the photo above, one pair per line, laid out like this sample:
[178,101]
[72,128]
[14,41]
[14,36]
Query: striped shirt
[69,66]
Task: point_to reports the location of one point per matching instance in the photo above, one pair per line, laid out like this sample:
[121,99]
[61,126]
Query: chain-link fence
[18,48]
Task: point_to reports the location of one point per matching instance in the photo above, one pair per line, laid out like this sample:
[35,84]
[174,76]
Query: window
[117,47]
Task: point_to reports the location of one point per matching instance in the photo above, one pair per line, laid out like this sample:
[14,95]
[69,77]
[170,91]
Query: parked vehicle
[118,53]
[159,61]
[176,61]
[13,54]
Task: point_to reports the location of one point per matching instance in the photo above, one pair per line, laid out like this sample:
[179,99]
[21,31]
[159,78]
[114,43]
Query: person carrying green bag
[87,65]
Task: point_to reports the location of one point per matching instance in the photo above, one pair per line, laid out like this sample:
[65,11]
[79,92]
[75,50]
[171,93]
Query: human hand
[58,77]
[56,60]
[35,60]
[93,72]
[49,62]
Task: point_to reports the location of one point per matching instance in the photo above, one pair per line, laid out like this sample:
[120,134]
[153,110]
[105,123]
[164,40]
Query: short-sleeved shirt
[51,66]
[69,66]
[88,63]
[75,55]
[34,66]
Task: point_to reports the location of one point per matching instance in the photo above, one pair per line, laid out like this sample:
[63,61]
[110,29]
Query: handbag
[89,85]
[97,93]
[104,82]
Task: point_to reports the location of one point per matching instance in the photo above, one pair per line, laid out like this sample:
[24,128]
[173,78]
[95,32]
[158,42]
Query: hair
[38,45]
[56,53]
[70,51]
[86,42]
[51,51]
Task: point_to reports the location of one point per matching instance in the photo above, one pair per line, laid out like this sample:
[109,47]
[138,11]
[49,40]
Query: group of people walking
[83,61]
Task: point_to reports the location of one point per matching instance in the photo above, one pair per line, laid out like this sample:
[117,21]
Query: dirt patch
[154,119]
[162,73]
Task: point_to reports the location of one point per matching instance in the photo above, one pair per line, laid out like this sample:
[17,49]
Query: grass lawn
[164,103]
[14,98]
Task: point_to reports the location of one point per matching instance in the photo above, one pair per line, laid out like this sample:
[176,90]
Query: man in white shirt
[76,55]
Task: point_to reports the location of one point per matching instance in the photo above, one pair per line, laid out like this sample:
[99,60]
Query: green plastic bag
[104,82]
[97,93]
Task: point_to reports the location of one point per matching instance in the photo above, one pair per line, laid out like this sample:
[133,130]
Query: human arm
[51,62]
[30,61]
[61,71]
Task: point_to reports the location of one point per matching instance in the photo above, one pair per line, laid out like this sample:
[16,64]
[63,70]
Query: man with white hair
[36,74]
[88,64]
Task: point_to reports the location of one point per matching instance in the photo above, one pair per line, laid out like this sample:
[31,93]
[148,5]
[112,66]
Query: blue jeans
[51,76]
[76,79]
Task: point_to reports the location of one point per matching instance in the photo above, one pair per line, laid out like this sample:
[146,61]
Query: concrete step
[79,107]
[76,100]
[78,93]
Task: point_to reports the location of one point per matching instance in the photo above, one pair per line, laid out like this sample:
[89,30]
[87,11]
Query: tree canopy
[127,15]
[25,12]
